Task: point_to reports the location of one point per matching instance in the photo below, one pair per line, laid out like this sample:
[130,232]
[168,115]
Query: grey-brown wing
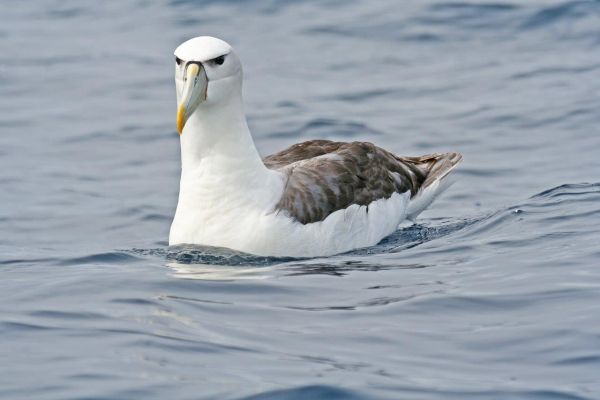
[325,176]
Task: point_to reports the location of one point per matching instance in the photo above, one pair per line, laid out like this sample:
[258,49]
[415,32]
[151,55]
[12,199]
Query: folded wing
[325,176]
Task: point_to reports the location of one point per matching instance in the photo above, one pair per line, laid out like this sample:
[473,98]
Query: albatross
[315,198]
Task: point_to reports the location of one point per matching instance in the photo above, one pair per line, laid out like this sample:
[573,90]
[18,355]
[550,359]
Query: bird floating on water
[314,198]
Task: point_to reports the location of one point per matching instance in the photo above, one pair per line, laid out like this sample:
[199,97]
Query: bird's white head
[208,74]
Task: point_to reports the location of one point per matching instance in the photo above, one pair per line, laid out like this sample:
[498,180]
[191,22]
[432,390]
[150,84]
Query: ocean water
[494,294]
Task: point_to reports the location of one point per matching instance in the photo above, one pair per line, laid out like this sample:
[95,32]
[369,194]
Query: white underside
[268,233]
[254,226]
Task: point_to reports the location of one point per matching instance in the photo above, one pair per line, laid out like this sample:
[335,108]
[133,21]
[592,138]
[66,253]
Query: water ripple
[566,11]
[309,392]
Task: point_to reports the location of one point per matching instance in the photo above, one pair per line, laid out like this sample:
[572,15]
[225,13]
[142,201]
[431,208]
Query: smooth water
[495,294]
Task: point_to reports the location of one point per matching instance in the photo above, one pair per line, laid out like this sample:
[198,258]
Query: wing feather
[325,176]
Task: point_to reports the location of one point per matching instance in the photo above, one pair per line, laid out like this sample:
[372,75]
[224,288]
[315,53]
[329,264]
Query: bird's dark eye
[219,60]
[178,60]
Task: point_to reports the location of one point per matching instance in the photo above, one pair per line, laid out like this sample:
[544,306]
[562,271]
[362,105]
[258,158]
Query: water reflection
[237,272]
[218,272]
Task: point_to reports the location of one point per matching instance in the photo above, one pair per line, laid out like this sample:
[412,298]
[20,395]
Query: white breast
[251,225]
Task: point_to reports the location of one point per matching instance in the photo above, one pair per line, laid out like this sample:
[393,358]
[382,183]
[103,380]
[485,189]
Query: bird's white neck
[220,162]
[219,133]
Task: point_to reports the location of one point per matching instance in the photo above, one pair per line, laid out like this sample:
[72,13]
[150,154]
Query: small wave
[193,254]
[25,261]
[335,267]
[420,233]
[217,263]
[65,13]
[308,392]
[555,70]
[113,257]
[566,11]
[471,8]
[569,190]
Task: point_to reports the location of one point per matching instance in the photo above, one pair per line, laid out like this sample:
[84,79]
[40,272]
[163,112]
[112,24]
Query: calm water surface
[495,294]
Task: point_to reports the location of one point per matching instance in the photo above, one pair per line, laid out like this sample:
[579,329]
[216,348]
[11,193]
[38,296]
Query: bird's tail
[438,168]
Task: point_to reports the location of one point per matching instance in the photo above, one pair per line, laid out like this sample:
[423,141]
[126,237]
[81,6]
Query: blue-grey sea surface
[493,294]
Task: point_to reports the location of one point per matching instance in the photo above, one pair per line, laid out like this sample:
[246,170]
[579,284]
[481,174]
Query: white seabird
[315,198]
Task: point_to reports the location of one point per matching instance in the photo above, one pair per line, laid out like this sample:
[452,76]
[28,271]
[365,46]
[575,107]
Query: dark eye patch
[219,60]
[178,60]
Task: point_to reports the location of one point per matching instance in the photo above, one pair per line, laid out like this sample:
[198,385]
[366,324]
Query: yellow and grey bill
[195,84]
